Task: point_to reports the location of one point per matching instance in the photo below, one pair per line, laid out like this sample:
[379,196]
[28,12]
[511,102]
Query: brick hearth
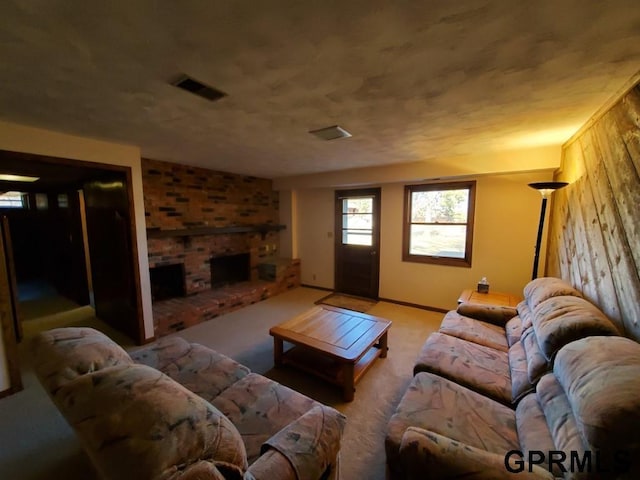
[179,313]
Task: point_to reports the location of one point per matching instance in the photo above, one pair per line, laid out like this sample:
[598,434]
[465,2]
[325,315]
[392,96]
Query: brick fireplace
[194,215]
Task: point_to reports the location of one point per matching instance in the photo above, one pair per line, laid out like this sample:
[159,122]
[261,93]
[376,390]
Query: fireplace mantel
[205,230]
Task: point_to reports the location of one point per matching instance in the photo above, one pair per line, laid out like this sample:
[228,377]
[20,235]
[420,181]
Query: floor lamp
[545,189]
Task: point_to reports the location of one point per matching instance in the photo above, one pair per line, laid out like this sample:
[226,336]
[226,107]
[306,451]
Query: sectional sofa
[547,390]
[179,410]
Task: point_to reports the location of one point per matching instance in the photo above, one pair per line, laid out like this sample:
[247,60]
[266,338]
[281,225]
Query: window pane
[357,205]
[63,200]
[42,201]
[357,237]
[12,200]
[438,240]
[444,206]
[358,220]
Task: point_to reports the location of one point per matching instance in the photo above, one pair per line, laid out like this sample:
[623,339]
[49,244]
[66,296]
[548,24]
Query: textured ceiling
[411,80]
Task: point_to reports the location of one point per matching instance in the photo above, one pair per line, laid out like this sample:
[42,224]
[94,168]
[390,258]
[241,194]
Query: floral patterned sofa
[178,410]
[582,422]
[485,384]
[502,352]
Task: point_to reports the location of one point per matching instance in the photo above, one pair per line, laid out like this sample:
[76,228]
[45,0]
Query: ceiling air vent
[330,133]
[198,88]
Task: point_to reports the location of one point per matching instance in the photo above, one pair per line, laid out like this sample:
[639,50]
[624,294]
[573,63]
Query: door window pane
[357,221]
[357,237]
[357,205]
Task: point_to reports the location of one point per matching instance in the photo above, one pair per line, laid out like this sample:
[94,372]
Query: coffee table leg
[383,346]
[277,351]
[348,387]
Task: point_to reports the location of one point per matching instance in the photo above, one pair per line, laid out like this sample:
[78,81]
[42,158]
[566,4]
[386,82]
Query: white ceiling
[411,80]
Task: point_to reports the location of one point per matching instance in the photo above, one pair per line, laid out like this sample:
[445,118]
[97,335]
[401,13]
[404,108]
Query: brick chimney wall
[181,197]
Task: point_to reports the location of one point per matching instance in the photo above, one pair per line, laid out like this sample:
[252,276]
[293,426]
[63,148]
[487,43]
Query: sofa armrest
[202,470]
[271,464]
[425,451]
[495,314]
[308,446]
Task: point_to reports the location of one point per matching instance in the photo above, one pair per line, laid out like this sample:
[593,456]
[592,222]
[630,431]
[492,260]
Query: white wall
[21,138]
[506,222]
[541,158]
[315,236]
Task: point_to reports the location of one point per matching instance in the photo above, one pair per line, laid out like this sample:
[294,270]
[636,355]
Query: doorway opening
[70,253]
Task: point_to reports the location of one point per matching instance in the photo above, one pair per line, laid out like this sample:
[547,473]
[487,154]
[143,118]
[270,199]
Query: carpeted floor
[38,444]
[349,302]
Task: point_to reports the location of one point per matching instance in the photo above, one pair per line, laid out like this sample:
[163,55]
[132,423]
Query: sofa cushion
[476,331]
[563,319]
[541,289]
[449,409]
[495,314]
[61,355]
[200,369]
[520,384]
[423,451]
[524,312]
[513,330]
[533,431]
[600,376]
[537,363]
[135,422]
[477,367]
[258,407]
[162,354]
[559,415]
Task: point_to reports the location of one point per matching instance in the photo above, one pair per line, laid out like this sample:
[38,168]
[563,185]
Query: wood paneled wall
[594,239]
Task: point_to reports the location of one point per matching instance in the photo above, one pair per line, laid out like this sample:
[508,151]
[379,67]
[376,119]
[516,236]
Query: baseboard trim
[10,391]
[414,305]
[316,287]
[149,340]
[389,300]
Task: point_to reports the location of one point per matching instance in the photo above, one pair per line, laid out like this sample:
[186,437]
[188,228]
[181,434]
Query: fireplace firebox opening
[230,269]
[167,281]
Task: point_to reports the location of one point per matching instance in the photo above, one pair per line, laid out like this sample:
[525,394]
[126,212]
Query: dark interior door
[112,266]
[10,279]
[9,315]
[71,280]
[357,241]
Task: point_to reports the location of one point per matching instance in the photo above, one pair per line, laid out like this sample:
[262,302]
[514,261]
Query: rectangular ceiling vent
[330,133]
[198,88]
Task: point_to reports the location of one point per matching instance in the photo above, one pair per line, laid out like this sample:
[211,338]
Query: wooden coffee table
[335,344]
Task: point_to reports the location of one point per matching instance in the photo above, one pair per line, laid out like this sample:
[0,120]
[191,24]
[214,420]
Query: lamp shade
[547,188]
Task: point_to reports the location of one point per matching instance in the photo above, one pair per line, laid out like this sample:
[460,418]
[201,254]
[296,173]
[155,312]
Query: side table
[491,298]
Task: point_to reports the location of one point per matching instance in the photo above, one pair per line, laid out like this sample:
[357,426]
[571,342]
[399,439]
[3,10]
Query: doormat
[340,300]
